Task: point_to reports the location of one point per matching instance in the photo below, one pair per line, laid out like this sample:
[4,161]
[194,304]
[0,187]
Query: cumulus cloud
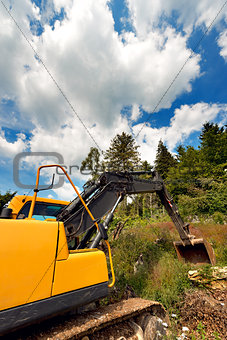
[97,71]
[148,14]
[222,42]
[10,149]
[100,72]
[66,192]
[186,120]
[135,112]
[15,52]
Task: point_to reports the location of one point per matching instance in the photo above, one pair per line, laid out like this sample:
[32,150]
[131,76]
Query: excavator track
[127,319]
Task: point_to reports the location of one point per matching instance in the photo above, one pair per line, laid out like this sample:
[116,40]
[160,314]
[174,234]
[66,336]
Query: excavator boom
[105,194]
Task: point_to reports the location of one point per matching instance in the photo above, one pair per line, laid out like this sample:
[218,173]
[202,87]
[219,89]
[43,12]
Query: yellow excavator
[49,256]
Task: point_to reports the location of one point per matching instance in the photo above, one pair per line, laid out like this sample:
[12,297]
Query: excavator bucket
[198,252]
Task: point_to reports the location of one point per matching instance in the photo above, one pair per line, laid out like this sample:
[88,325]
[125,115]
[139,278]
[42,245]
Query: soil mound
[204,312]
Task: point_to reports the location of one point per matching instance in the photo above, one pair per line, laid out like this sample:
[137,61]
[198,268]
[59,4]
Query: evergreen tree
[92,163]
[164,160]
[122,154]
[213,143]
[145,166]
[181,152]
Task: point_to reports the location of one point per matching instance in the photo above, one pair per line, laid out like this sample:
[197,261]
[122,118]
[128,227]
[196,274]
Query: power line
[51,76]
[181,69]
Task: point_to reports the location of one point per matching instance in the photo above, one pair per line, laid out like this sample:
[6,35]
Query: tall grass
[161,277]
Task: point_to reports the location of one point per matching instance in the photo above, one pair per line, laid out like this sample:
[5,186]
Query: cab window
[42,210]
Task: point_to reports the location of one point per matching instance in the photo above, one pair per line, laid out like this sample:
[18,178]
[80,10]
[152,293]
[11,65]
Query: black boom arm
[103,196]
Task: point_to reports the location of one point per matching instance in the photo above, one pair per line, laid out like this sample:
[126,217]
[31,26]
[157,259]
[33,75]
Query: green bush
[168,281]
[161,277]
[218,217]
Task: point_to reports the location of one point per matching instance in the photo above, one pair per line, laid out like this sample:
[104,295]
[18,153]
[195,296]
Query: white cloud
[15,52]
[66,192]
[10,149]
[93,67]
[73,142]
[135,113]
[190,118]
[98,72]
[222,42]
[186,120]
[148,14]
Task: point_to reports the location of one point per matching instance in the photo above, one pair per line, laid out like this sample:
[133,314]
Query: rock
[217,278]
[138,263]
[182,337]
[185,329]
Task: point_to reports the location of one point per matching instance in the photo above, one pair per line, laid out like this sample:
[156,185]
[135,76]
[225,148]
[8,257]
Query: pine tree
[92,163]
[164,160]
[213,143]
[122,154]
[145,166]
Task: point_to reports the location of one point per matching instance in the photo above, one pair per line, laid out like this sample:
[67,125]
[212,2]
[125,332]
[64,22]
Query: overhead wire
[159,101]
[81,121]
[51,76]
[182,67]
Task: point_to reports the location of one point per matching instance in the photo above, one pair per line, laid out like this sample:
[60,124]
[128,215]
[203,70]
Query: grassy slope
[161,276]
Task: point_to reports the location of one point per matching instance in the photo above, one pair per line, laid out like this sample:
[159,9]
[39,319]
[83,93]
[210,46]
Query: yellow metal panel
[81,269]
[63,251]
[27,257]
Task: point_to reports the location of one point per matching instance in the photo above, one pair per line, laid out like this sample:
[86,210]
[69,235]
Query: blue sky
[113,60]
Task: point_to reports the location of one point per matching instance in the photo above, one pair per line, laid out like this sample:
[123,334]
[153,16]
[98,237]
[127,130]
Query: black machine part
[102,198]
[103,195]
[6,213]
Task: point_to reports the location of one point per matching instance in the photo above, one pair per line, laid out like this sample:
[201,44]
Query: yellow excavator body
[48,252]
[38,270]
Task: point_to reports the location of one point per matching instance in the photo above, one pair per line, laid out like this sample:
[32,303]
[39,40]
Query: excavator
[50,258]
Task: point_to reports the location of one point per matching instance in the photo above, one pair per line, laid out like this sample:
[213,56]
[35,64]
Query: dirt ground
[204,312]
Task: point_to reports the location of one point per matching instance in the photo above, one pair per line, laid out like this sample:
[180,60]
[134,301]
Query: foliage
[4,199]
[168,281]
[196,178]
[213,143]
[122,154]
[161,276]
[198,181]
[92,163]
[164,160]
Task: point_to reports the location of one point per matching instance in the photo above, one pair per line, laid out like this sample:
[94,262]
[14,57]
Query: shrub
[168,281]
[161,276]
[218,217]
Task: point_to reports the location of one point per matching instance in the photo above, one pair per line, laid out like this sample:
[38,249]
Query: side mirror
[6,213]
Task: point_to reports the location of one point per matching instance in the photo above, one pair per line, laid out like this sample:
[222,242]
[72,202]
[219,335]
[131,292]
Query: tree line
[196,178]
